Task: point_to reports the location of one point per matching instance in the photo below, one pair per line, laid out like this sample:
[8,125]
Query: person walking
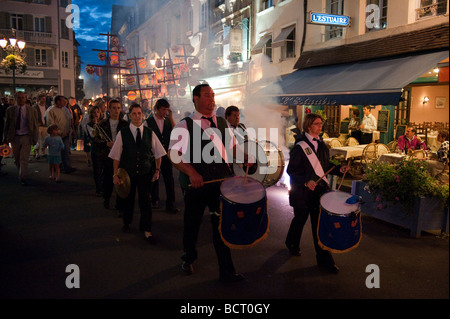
[21,130]
[138,151]
[162,123]
[309,159]
[194,173]
[55,145]
[40,108]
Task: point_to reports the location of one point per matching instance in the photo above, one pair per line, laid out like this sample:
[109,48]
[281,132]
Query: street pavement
[46,227]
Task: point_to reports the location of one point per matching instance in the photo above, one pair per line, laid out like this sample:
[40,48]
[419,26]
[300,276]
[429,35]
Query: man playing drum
[198,161]
[309,159]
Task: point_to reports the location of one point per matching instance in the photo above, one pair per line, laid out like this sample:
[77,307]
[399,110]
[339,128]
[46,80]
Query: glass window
[65,59]
[41,57]
[39,24]
[268,49]
[377,20]
[203,15]
[430,8]
[17,21]
[334,7]
[266,4]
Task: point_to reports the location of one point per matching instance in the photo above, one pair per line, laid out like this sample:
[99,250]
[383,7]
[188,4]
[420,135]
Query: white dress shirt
[370,124]
[116,151]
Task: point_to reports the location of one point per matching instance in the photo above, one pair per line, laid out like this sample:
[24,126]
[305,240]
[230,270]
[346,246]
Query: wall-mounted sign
[329,19]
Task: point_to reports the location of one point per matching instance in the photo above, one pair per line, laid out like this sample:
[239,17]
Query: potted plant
[404,194]
[13,62]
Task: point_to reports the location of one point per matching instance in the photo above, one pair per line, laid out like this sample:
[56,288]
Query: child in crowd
[55,146]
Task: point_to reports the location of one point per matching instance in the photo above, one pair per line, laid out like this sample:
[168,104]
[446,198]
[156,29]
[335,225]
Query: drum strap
[313,160]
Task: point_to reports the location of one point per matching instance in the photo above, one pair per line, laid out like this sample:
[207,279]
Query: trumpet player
[107,130]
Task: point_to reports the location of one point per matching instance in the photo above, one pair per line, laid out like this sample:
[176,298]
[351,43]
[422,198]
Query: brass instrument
[102,133]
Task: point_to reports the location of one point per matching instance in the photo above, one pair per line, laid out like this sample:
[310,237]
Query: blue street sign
[329,19]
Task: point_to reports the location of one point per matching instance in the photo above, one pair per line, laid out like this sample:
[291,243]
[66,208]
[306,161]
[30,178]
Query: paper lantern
[98,71]
[172,89]
[90,69]
[158,63]
[114,56]
[101,56]
[131,80]
[131,95]
[130,64]
[142,63]
[114,62]
[115,41]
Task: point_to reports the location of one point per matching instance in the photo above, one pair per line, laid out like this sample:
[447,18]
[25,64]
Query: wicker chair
[335,143]
[382,149]
[369,154]
[420,154]
[351,141]
[325,135]
[392,146]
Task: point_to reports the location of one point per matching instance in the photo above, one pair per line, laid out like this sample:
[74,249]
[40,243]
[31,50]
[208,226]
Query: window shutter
[30,56]
[48,24]
[49,57]
[28,22]
[5,21]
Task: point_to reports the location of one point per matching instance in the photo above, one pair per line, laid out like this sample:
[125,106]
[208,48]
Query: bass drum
[269,167]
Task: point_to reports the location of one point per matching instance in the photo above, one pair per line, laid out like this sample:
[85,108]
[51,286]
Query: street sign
[329,19]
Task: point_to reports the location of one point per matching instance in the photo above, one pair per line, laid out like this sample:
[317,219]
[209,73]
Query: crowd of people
[141,143]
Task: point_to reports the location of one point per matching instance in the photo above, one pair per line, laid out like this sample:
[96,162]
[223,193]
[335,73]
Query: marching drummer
[200,163]
[309,160]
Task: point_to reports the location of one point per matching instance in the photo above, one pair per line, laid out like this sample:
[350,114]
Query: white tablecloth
[348,151]
[391,157]
[431,142]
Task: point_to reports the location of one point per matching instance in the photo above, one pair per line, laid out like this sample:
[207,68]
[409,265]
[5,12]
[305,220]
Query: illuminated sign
[329,19]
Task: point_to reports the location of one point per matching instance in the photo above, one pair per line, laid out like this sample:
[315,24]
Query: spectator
[41,108]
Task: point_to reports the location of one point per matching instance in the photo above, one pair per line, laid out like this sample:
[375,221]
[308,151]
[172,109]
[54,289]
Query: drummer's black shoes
[295,251]
[332,268]
[228,277]
[188,269]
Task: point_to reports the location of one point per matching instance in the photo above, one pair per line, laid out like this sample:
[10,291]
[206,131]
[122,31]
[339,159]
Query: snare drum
[339,226]
[243,212]
[269,162]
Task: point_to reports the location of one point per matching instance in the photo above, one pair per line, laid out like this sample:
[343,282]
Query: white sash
[312,157]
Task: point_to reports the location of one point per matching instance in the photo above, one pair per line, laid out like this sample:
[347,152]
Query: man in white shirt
[137,150]
[232,115]
[41,108]
[197,164]
[368,125]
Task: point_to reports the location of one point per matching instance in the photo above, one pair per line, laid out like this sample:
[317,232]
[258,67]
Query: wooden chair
[351,141]
[392,146]
[335,143]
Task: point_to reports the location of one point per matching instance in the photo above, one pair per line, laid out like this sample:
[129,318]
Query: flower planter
[428,214]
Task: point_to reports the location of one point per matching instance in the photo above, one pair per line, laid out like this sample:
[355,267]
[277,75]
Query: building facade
[51,49]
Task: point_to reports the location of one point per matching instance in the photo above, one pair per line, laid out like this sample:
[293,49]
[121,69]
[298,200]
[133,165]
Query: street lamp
[15,58]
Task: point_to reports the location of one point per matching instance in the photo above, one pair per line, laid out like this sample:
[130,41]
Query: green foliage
[322,114]
[13,62]
[402,183]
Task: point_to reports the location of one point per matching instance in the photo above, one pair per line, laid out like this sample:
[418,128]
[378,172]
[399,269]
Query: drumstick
[323,175]
[343,176]
[246,174]
[212,181]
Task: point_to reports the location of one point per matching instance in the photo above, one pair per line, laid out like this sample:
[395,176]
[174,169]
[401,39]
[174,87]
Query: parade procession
[310,137]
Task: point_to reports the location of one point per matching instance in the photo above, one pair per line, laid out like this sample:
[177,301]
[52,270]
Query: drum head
[269,162]
[334,202]
[236,191]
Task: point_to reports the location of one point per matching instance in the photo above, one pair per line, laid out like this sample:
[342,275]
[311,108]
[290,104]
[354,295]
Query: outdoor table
[431,142]
[348,151]
[434,167]
[392,158]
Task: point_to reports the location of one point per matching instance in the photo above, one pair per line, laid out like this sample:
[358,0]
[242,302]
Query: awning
[261,43]
[371,82]
[282,37]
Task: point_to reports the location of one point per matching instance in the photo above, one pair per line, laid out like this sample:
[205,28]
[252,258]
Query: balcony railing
[438,8]
[31,36]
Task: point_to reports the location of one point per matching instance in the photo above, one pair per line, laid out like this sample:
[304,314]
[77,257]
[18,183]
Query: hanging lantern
[131,95]
[114,41]
[98,71]
[130,64]
[142,63]
[101,56]
[131,80]
[182,82]
[90,69]
[172,89]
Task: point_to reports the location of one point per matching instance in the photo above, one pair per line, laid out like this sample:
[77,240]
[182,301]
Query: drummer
[232,115]
[308,185]
[195,170]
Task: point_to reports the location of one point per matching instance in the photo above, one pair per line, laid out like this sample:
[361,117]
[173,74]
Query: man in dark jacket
[162,123]
[305,192]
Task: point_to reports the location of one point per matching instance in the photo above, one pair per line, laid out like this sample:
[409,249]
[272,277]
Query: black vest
[163,137]
[136,160]
[209,171]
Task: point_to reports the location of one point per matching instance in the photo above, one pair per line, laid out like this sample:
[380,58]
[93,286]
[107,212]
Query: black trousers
[107,179]
[167,173]
[312,209]
[357,135]
[366,138]
[195,201]
[140,184]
